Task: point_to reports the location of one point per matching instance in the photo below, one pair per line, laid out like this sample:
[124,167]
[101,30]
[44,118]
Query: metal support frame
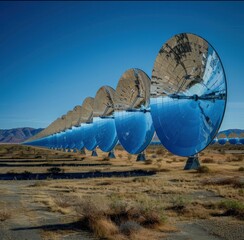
[192,162]
[94,153]
[141,157]
[111,154]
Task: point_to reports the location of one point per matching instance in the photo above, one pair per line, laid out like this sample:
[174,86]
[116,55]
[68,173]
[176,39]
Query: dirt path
[19,214]
[213,229]
[33,221]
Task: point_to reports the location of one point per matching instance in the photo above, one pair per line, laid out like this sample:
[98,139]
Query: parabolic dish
[241,138]
[132,117]
[188,94]
[233,138]
[76,128]
[68,130]
[103,119]
[222,138]
[61,138]
[87,125]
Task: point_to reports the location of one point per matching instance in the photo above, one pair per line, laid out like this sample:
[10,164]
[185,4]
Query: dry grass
[110,217]
[63,201]
[143,207]
[203,169]
[40,184]
[236,182]
[4,215]
[208,160]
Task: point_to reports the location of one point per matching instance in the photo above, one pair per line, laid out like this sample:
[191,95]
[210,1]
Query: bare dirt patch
[169,204]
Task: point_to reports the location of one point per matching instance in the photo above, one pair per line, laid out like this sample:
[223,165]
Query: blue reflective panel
[69,138]
[188,94]
[132,117]
[183,128]
[233,140]
[135,130]
[72,138]
[61,140]
[78,138]
[46,142]
[89,133]
[222,141]
[241,140]
[54,140]
[105,133]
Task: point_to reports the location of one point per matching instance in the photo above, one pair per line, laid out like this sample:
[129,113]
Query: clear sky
[54,54]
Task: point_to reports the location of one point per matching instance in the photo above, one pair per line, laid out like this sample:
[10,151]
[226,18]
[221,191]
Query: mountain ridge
[17,135]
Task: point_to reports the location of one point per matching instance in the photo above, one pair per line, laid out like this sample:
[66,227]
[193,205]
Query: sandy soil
[45,209]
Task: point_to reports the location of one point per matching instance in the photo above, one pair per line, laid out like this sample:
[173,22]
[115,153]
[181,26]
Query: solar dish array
[229,137]
[184,103]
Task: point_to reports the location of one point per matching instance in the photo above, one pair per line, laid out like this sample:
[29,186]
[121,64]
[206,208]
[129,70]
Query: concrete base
[192,163]
[94,153]
[141,157]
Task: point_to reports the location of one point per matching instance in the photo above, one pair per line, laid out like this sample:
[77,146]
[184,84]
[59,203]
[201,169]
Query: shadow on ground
[83,175]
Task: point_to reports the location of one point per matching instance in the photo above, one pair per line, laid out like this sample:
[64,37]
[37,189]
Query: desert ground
[50,194]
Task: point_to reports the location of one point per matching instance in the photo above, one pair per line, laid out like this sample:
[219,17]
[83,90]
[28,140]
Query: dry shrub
[236,182]
[241,169]
[104,183]
[148,162]
[105,159]
[120,155]
[203,169]
[4,215]
[92,209]
[94,216]
[160,151]
[112,218]
[147,211]
[179,204]
[233,208]
[55,170]
[104,228]
[238,159]
[40,183]
[162,170]
[63,201]
[129,227]
[141,179]
[208,160]
[185,207]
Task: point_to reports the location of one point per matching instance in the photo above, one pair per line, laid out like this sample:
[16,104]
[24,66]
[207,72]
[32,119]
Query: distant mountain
[229,132]
[17,135]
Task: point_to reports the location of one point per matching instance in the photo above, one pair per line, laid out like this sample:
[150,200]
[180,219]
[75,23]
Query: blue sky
[54,54]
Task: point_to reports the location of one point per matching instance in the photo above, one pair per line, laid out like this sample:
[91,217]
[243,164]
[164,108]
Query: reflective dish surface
[188,94]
